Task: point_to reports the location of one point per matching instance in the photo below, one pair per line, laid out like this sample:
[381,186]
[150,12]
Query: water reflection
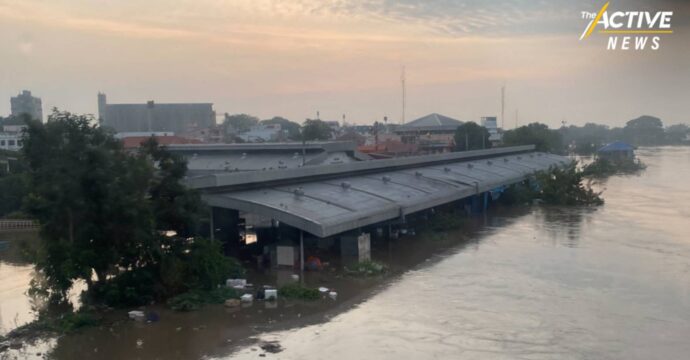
[15,274]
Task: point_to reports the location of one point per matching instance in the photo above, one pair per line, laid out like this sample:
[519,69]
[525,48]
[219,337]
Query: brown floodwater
[531,283]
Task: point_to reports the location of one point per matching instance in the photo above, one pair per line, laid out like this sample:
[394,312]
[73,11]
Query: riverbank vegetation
[298,291]
[602,167]
[587,139]
[122,223]
[366,268]
[563,186]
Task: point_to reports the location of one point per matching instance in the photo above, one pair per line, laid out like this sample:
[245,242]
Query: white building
[10,141]
[490,123]
[14,129]
[262,133]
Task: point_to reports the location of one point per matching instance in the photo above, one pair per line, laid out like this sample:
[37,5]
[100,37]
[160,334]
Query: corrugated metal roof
[331,206]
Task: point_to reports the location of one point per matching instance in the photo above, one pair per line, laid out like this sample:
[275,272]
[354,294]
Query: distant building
[203,159]
[25,103]
[490,123]
[433,133]
[10,141]
[14,129]
[177,118]
[263,133]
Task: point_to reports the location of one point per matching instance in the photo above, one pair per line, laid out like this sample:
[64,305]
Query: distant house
[432,133]
[617,151]
[263,133]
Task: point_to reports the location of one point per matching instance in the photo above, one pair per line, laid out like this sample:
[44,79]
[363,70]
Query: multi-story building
[490,123]
[153,117]
[10,141]
[25,103]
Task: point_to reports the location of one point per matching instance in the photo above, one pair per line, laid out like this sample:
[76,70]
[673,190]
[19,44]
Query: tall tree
[644,130]
[88,195]
[471,136]
[316,130]
[291,127]
[536,134]
[238,123]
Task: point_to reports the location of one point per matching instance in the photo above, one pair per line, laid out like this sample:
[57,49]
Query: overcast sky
[292,58]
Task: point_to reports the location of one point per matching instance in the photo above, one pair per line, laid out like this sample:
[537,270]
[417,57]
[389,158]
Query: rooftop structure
[204,159]
[151,116]
[331,199]
[433,133]
[430,123]
[617,151]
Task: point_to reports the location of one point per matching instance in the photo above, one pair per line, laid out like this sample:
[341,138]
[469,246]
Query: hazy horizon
[271,58]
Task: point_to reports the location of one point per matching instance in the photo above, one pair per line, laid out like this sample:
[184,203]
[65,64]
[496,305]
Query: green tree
[644,130]
[316,130]
[292,128]
[125,218]
[586,139]
[13,189]
[677,134]
[238,123]
[89,197]
[471,136]
[536,134]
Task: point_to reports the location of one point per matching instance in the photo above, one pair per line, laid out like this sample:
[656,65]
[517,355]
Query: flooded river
[528,283]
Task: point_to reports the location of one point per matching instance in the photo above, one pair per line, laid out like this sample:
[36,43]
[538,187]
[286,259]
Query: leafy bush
[195,299]
[558,186]
[564,186]
[297,291]
[188,301]
[366,268]
[208,267]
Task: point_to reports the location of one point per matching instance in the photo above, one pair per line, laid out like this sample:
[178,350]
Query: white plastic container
[271,294]
[137,315]
[246,298]
[236,283]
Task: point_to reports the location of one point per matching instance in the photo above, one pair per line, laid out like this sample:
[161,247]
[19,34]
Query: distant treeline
[642,131]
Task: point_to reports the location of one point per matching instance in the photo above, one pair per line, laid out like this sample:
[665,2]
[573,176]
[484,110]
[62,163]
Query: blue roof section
[616,146]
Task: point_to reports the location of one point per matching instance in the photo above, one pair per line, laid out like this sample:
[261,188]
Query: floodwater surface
[537,282]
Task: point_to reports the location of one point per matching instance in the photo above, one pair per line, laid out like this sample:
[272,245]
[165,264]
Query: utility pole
[516,118]
[503,106]
[402,79]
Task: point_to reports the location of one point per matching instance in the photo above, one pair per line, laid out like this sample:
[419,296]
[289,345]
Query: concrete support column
[355,247]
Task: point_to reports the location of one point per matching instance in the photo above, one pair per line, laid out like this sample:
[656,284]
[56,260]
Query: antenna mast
[503,106]
[402,79]
[516,118]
